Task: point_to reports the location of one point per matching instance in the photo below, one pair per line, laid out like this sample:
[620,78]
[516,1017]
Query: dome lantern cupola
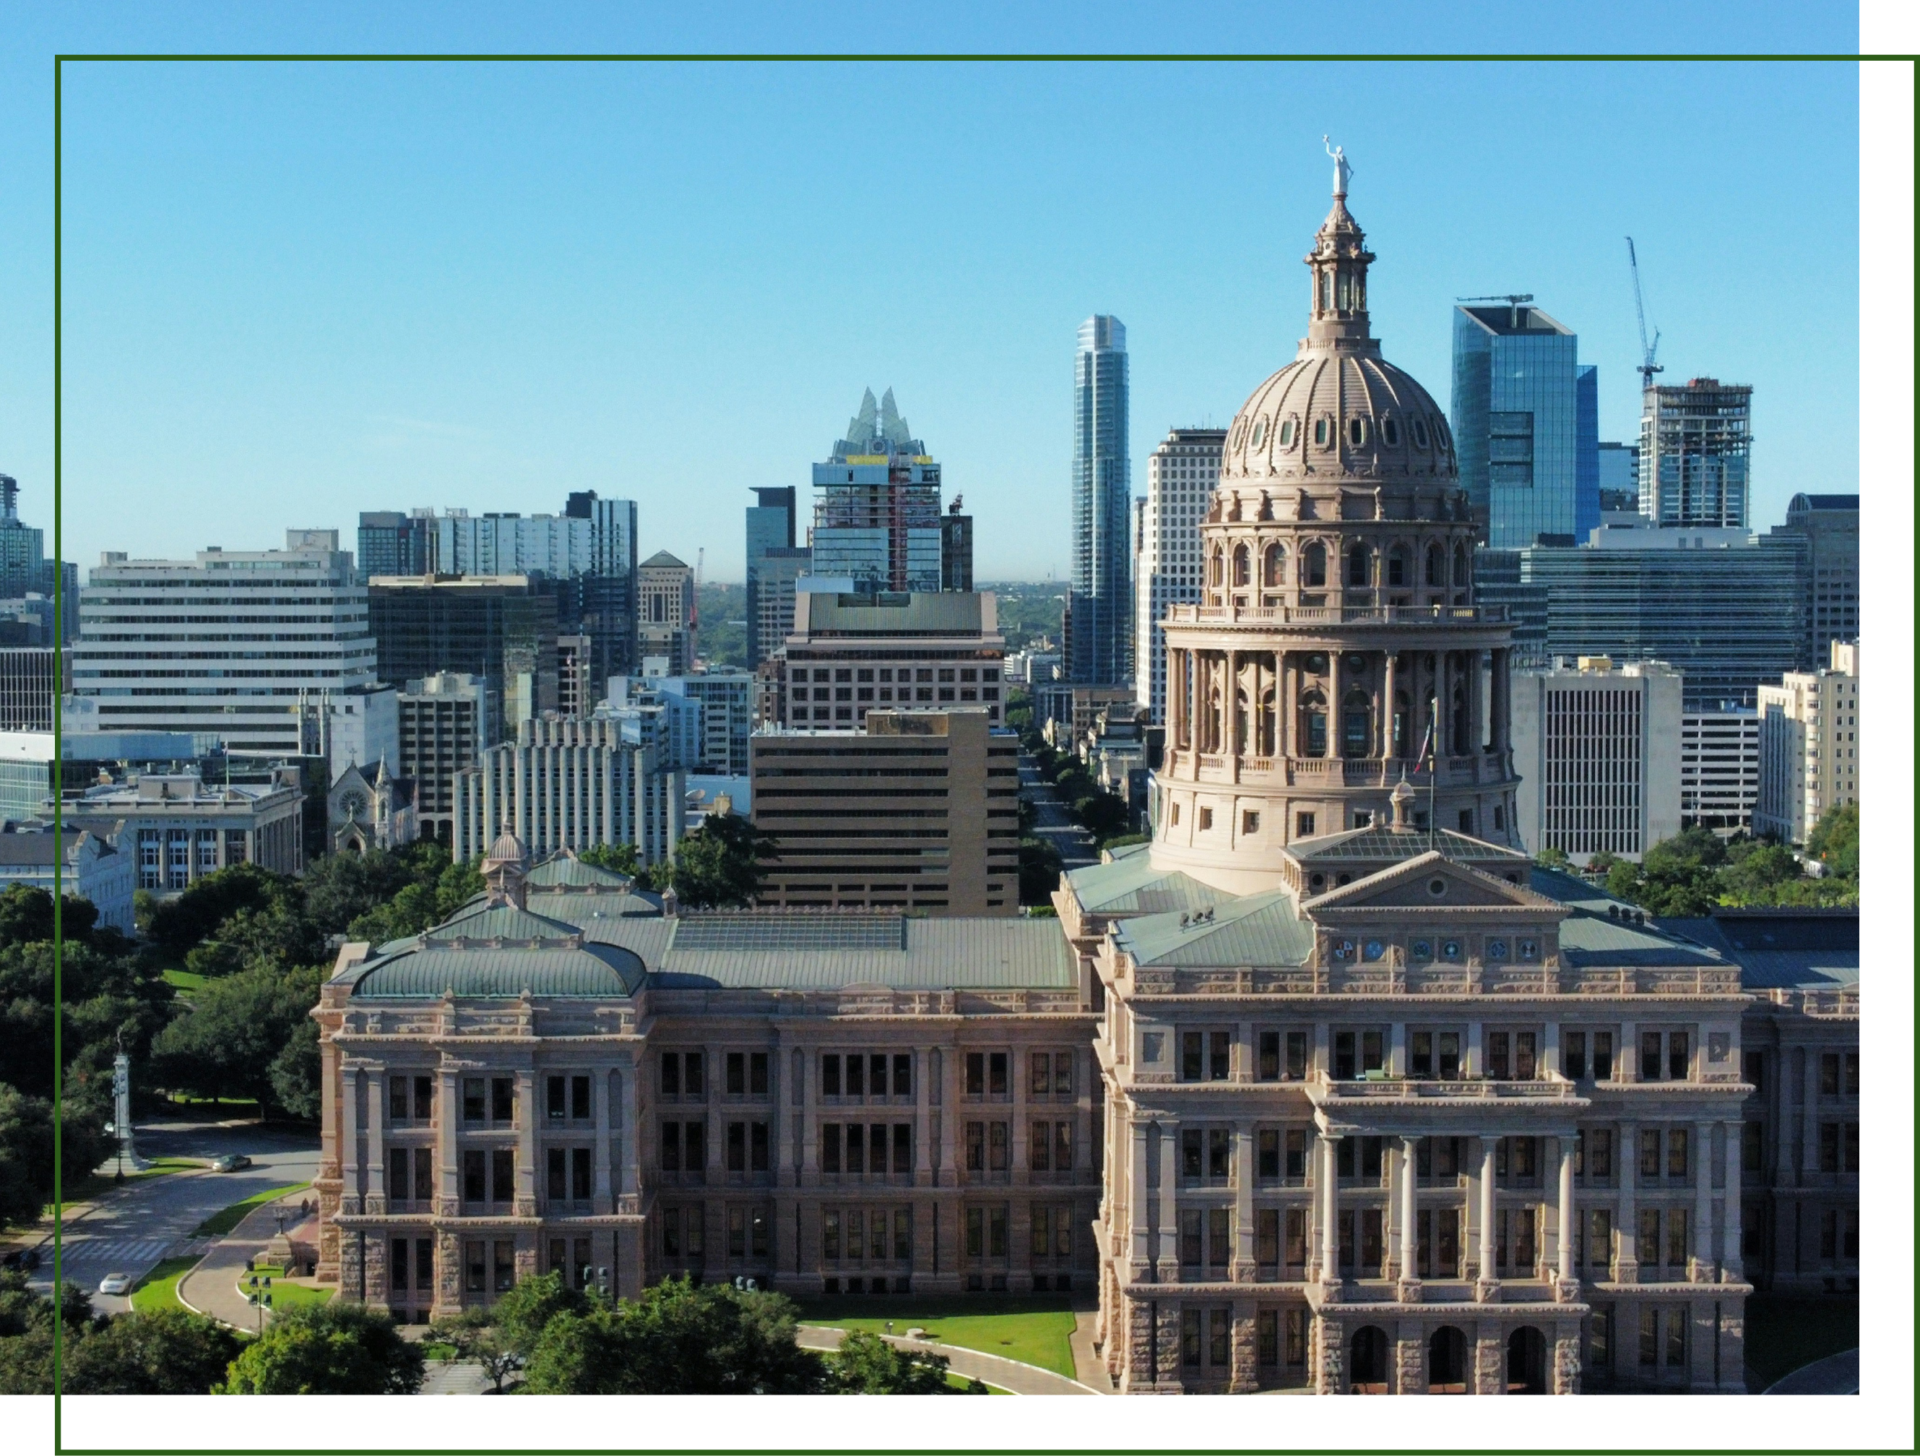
[1339,264]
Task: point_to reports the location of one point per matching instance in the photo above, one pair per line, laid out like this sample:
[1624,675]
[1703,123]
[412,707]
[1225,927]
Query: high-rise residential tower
[1100,592]
[1694,444]
[250,645]
[1526,424]
[1181,474]
[770,527]
[876,517]
[1809,745]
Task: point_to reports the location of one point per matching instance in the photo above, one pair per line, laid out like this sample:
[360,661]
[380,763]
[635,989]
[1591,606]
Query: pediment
[1427,883]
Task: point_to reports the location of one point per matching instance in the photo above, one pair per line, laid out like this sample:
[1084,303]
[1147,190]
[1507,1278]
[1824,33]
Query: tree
[523,1312]
[1553,857]
[1040,865]
[1835,840]
[180,924]
[676,1338]
[26,1151]
[278,935]
[340,888]
[26,1332]
[231,1042]
[151,1352]
[721,862]
[421,905]
[1758,873]
[327,1349]
[622,859]
[26,916]
[474,1336]
[1677,877]
[867,1365]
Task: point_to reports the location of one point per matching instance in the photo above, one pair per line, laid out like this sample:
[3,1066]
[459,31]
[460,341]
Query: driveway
[131,1228]
[997,1370]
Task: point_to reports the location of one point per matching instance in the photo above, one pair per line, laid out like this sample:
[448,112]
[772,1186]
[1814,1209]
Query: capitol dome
[1339,413]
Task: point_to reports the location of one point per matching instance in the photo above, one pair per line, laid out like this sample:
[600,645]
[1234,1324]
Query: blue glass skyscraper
[1526,422]
[1100,592]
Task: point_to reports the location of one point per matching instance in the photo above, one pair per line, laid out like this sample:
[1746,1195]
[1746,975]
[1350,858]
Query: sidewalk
[1011,1375]
[1087,1363]
[211,1287]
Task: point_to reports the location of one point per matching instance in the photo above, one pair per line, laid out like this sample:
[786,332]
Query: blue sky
[297,291]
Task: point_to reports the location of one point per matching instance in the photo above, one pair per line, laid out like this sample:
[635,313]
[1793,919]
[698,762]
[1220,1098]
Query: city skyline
[364,358]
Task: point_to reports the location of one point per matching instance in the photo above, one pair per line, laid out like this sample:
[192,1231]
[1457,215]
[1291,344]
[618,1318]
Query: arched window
[1460,564]
[1268,725]
[1462,728]
[1390,430]
[1242,733]
[1370,1355]
[1356,725]
[1436,566]
[1215,568]
[1357,430]
[1313,565]
[1326,291]
[1402,724]
[1259,431]
[1527,1362]
[1419,432]
[1397,566]
[1322,431]
[1275,570]
[1242,566]
[1211,742]
[1289,431]
[1447,1362]
[1313,725]
[1359,565]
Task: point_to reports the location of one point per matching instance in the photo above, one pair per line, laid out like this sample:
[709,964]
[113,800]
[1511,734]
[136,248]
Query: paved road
[973,1364]
[135,1226]
[1052,822]
[213,1285]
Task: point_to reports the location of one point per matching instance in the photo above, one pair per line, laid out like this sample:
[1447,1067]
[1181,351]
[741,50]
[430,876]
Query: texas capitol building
[1328,1087]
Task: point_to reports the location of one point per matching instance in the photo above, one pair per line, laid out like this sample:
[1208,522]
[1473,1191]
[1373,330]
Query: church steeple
[1339,265]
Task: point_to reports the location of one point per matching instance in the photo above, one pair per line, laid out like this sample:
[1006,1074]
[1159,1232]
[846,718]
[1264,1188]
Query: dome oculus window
[1357,430]
[1390,430]
[1436,887]
[1420,433]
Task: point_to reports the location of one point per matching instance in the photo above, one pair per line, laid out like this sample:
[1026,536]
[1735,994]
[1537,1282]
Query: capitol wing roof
[1601,930]
[1788,949]
[1254,930]
[1131,885]
[1380,842]
[765,951]
[1411,885]
[569,870]
[597,971]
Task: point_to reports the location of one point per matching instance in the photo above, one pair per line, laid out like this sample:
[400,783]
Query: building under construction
[1694,443]
[876,519]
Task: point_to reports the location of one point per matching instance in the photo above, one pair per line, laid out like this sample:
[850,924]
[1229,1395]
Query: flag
[1425,755]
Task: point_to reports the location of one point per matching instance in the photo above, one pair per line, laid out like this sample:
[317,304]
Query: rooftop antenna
[1646,368]
[1511,300]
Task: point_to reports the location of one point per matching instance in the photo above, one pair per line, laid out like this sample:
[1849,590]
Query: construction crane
[1511,300]
[1647,368]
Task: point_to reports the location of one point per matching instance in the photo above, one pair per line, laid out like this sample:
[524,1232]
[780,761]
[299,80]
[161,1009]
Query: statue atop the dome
[1342,168]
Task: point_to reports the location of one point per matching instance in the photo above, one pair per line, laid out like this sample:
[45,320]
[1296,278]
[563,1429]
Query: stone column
[1476,707]
[1442,705]
[1230,705]
[525,1176]
[377,1141]
[926,1155]
[1336,740]
[1386,705]
[351,1187]
[1286,710]
[1330,1214]
[1409,1289]
[1140,1238]
[1569,1287]
[1810,1120]
[602,1144]
[446,1141]
[1246,1375]
[1626,1264]
[1397,1049]
[1703,1269]
[1502,699]
[1243,1250]
[1731,1262]
[1169,1241]
[1487,1289]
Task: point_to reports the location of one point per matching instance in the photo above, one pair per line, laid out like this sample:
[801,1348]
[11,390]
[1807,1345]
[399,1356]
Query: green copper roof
[499,922]
[1379,844]
[1601,932]
[570,870]
[600,971]
[1130,885]
[1254,930]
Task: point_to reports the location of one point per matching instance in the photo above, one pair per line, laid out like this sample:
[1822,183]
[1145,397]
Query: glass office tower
[770,527]
[1100,595]
[1525,418]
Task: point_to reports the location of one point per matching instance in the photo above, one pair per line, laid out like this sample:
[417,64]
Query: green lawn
[159,1287]
[228,1218]
[94,1184]
[288,1296]
[1785,1332]
[184,980]
[1033,1330]
[960,1382]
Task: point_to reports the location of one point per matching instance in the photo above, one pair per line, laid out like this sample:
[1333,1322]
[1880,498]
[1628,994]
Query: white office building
[569,783]
[1719,769]
[1809,746]
[1597,748]
[1181,474]
[258,647]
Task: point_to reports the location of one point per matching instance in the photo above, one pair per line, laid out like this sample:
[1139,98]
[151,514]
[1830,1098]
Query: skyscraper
[600,603]
[876,518]
[666,606]
[1181,474]
[1694,444]
[1100,592]
[500,628]
[1526,422]
[396,543]
[155,664]
[1830,525]
[771,526]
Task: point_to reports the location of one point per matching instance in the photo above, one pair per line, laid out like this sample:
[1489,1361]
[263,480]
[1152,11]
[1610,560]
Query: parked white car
[117,1284]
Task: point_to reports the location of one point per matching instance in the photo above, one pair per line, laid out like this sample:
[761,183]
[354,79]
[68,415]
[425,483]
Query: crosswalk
[85,1260]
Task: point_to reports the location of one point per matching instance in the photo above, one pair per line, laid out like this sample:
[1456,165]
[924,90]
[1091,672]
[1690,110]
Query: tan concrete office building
[1809,746]
[920,811]
[852,653]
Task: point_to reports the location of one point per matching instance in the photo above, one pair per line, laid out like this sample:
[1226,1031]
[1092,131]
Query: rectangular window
[758,1130]
[997,1151]
[1752,1147]
[503,1100]
[1650,1153]
[1600,1338]
[736,1232]
[830,1234]
[1267,1152]
[1649,1237]
[670,1147]
[696,1075]
[1040,1147]
[582,1174]
[473,1175]
[1499,1061]
[1219,1337]
[1650,1056]
[737,1087]
[398,1162]
[830,1075]
[582,1099]
[423,1175]
[423,1099]
[903,1074]
[696,1138]
[1266,1237]
[1599,1152]
[1190,1236]
[1829,1147]
[1040,1082]
[1573,1055]
[1219,1237]
[1526,1225]
[1269,1066]
[503,1175]
[670,1074]
[1373,1243]
[1447,1243]
[1219,1152]
[1599,1238]
[1297,1335]
[1676,1239]
[1649,1335]
[1603,1056]
[1190,1144]
[1296,1056]
[1192,1056]
[1420,1055]
[1677,1057]
[423,1265]
[473,1101]
[1346,1063]
[1676,1152]
[856,1075]
[1190,1337]
[1829,1074]
[1373,1051]
[1219,1056]
[757,1074]
[976,1233]
[997,1232]
[556,1099]
[856,1147]
[997,1074]
[1523,1059]
[1063,1074]
[1296,1238]
[1296,1154]
[877,1074]
[399,1280]
[397,1099]
[903,1235]
[1449,1055]
[1853,1147]
[1853,1074]
[976,1147]
[1063,1147]
[976,1074]
[476,1267]
[1677,1339]
[1267,1337]
[736,1147]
